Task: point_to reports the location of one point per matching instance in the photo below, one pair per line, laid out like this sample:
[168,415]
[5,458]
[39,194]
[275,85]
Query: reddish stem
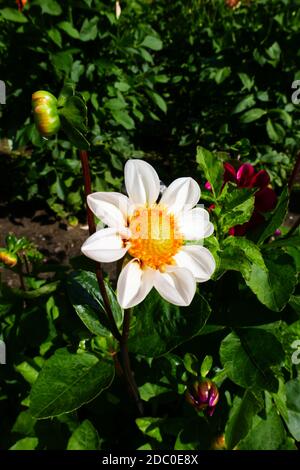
[92,229]
[126,323]
[126,362]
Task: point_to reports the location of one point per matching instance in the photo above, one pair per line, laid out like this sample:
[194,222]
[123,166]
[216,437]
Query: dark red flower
[245,175]
[229,173]
[260,179]
[265,198]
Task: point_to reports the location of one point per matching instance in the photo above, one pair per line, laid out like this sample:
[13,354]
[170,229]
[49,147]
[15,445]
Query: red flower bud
[232,3]
[203,395]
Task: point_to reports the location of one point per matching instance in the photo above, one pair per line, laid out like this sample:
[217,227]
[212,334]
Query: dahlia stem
[92,229]
[126,323]
[126,362]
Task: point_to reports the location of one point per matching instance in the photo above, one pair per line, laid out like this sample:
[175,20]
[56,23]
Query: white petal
[142,182]
[195,224]
[104,246]
[110,208]
[134,284]
[182,194]
[176,285]
[198,260]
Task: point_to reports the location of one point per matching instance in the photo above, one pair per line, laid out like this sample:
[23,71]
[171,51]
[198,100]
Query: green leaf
[51,7]
[247,356]
[85,437]
[29,370]
[114,104]
[67,381]
[272,278]
[212,168]
[158,100]
[62,62]
[158,327]
[295,303]
[87,301]
[69,29]
[55,35]
[247,82]
[252,115]
[222,74]
[152,42]
[245,103]
[274,284]
[241,417]
[292,389]
[206,366]
[191,363]
[238,206]
[47,289]
[123,118]
[75,112]
[293,241]
[27,443]
[149,390]
[275,131]
[274,52]
[266,434]
[24,424]
[277,218]
[150,427]
[89,29]
[67,91]
[75,136]
[12,14]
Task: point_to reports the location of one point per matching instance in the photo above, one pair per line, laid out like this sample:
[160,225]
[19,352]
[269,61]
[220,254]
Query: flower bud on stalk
[46,116]
[8,258]
[203,396]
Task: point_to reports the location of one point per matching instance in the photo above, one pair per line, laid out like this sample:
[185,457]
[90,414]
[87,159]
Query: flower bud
[232,3]
[7,258]
[46,116]
[203,395]
[21,4]
[219,443]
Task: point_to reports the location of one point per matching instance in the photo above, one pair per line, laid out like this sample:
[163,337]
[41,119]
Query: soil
[56,240]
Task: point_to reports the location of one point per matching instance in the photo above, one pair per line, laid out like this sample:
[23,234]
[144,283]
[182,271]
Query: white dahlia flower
[153,233]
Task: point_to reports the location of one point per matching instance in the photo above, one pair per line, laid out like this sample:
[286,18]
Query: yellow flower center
[155,237]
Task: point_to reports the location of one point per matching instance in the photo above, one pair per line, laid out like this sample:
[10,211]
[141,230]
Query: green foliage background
[163,78]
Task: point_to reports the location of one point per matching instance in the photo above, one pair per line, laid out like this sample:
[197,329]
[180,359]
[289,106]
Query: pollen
[155,237]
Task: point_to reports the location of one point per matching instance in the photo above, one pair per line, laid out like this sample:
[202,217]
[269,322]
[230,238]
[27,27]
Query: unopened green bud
[45,111]
[7,258]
